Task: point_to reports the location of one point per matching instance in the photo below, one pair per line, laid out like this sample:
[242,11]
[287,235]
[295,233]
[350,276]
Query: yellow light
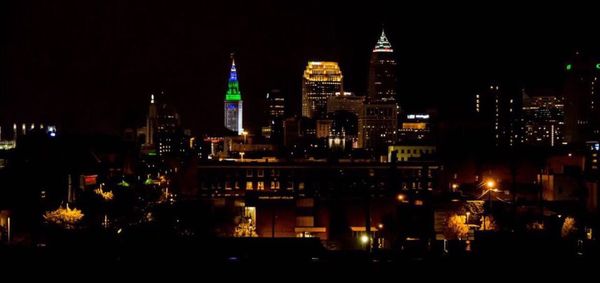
[401,197]
[490,184]
[455,186]
[364,239]
[380,226]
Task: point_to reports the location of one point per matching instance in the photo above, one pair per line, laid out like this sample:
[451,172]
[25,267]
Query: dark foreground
[270,259]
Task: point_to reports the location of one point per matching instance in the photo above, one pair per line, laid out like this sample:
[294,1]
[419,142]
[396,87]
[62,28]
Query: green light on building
[598,66]
[570,66]
[233,92]
[233,86]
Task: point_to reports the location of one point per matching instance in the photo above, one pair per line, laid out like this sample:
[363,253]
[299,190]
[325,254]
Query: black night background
[87,64]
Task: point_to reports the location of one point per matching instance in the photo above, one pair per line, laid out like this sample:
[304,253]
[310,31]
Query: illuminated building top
[383,44]
[323,72]
[233,87]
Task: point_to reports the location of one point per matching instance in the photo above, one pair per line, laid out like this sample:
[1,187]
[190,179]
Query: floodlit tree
[245,228]
[568,227]
[456,227]
[65,217]
[105,195]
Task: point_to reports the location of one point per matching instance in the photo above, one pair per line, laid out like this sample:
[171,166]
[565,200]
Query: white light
[364,239]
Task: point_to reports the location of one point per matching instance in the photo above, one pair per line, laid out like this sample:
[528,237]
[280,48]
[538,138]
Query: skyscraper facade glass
[321,81]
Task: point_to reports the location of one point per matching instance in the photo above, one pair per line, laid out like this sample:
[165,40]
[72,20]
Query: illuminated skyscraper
[495,111]
[274,112]
[321,81]
[233,102]
[382,71]
[378,123]
[582,100]
[543,120]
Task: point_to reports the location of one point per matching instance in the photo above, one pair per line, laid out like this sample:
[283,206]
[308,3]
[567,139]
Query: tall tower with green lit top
[233,102]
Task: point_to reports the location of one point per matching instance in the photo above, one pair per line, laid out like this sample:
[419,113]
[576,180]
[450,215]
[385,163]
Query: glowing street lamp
[364,239]
[245,134]
[401,197]
[490,184]
[491,187]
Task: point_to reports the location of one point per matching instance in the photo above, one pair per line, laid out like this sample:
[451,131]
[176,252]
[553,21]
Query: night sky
[90,66]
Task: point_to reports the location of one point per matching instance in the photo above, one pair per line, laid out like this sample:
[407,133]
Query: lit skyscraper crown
[233,86]
[323,71]
[383,44]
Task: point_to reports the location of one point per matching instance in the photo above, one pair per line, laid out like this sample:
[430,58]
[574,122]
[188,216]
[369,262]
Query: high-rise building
[378,122]
[382,72]
[163,134]
[233,102]
[321,81]
[275,113]
[496,111]
[543,120]
[582,100]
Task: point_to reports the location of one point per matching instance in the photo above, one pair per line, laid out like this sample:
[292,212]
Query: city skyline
[253,133]
[120,55]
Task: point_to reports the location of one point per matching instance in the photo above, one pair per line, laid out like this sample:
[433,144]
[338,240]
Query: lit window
[261,186]
[249,186]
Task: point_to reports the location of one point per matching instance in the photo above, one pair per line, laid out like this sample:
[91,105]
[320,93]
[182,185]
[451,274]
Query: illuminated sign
[88,180]
[417,116]
[416,126]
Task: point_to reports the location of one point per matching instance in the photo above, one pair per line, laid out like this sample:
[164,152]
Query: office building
[497,115]
[321,80]
[582,100]
[233,102]
[275,113]
[543,120]
[382,72]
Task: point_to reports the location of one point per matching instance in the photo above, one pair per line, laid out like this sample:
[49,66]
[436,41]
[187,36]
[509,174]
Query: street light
[364,239]
[401,197]
[245,134]
[490,185]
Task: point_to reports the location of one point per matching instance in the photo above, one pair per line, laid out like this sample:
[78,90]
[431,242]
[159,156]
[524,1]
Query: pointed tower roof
[233,86]
[383,44]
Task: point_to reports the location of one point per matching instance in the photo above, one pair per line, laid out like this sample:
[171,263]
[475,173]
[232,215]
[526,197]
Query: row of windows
[260,185]
[276,185]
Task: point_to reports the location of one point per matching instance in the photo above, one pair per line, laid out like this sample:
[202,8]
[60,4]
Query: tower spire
[233,87]
[383,44]
[233,101]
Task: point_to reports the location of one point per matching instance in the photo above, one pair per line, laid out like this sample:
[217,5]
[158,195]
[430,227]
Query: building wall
[315,196]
